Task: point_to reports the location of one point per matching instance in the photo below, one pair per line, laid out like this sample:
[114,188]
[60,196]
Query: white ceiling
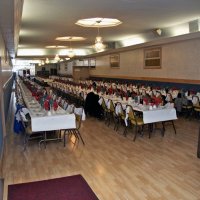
[44,20]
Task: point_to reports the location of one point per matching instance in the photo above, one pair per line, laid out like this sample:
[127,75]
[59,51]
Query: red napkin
[146,100]
[55,105]
[33,94]
[46,105]
[37,98]
[48,97]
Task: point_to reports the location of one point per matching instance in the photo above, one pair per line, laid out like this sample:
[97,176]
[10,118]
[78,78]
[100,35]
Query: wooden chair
[70,108]
[28,134]
[187,108]
[76,131]
[110,111]
[134,120]
[196,106]
[196,111]
[105,109]
[119,115]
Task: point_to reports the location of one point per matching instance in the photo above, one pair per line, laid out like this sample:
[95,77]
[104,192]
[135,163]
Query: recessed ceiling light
[98,22]
[56,47]
[70,38]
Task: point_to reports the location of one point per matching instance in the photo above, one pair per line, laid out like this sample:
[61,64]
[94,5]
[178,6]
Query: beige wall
[180,60]
[66,68]
[80,73]
[48,67]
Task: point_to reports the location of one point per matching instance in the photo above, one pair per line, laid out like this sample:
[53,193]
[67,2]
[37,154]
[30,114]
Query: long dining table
[150,114]
[42,120]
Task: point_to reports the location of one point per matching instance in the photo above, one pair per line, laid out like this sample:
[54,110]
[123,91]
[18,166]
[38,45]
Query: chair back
[195,101]
[110,105]
[70,108]
[103,104]
[130,112]
[79,114]
[133,116]
[62,102]
[119,109]
[65,105]
[25,120]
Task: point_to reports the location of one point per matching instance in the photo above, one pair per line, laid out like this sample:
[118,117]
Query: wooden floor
[115,167]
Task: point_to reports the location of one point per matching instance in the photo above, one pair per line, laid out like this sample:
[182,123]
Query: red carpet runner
[66,188]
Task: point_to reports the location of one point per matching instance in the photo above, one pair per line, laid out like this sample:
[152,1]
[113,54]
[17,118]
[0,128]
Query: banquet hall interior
[109,90]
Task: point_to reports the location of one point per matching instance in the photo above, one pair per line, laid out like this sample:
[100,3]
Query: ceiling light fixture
[99,46]
[71,52]
[70,38]
[98,22]
[57,58]
[47,61]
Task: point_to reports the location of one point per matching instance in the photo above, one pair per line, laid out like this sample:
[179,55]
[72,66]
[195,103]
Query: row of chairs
[127,118]
[190,110]
[70,97]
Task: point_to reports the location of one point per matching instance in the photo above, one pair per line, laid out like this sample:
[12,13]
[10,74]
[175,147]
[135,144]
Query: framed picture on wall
[152,58]
[115,60]
[92,63]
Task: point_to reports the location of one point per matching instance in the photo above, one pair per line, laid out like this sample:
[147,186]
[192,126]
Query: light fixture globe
[57,58]
[47,61]
[99,46]
[71,53]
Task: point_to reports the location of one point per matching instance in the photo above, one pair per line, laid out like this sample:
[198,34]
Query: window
[92,63]
[152,58]
[85,62]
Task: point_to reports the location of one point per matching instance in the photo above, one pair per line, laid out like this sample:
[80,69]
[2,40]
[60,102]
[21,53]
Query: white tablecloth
[151,116]
[155,115]
[53,122]
[42,120]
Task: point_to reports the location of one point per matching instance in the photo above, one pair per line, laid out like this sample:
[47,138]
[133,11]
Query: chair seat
[79,117]
[197,109]
[139,121]
[187,107]
[28,130]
